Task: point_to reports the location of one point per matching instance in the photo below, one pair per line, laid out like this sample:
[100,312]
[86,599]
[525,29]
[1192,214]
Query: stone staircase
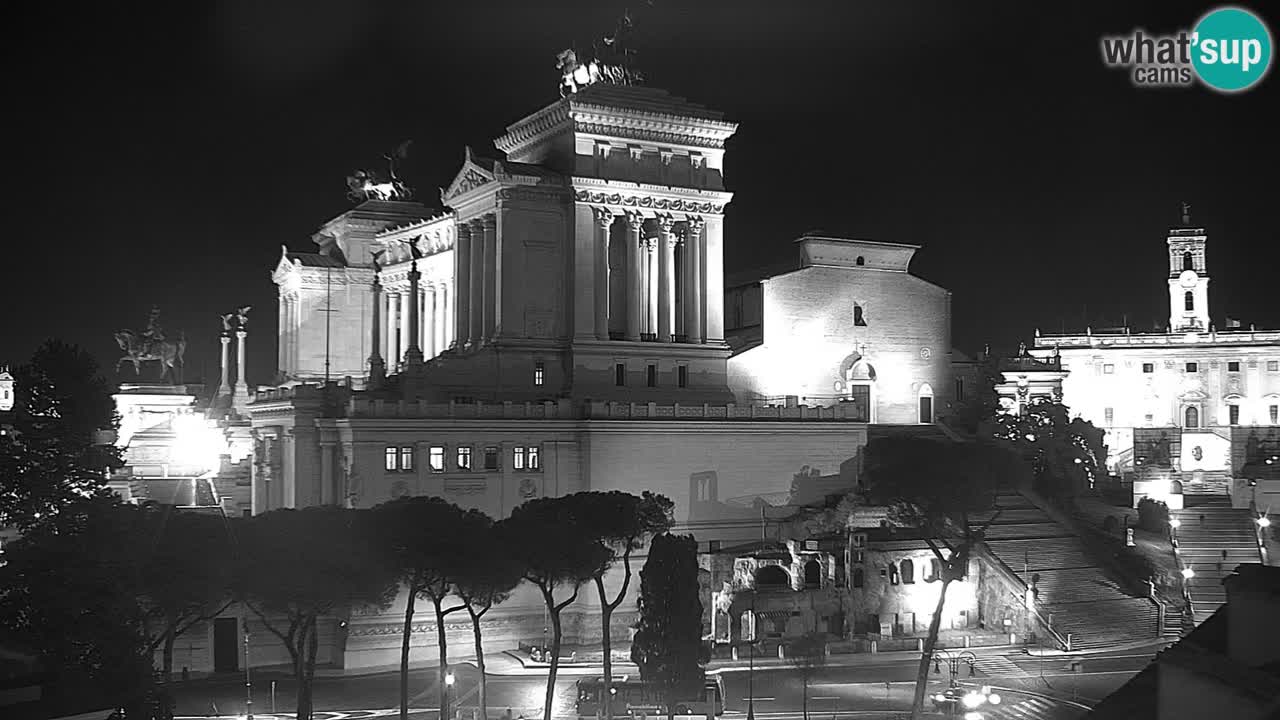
[1078,597]
[1201,483]
[1213,539]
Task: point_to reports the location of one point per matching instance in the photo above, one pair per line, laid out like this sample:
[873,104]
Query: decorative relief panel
[649,202]
[465,487]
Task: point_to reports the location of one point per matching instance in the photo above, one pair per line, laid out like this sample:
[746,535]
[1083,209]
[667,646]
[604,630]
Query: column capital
[635,220]
[242,334]
[667,224]
[695,223]
[604,217]
[489,221]
[463,229]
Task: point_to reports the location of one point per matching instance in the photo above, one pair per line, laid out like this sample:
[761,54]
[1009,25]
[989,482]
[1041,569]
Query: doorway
[226,637]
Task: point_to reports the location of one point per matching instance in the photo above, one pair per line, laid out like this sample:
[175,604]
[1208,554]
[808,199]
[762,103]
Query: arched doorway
[859,380]
[812,575]
[772,577]
[925,397]
[1191,417]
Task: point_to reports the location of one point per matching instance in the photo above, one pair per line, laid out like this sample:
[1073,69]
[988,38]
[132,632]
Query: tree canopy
[1067,454]
[668,642]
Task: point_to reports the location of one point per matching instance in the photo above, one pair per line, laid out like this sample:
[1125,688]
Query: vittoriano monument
[151,345]
[365,185]
[611,60]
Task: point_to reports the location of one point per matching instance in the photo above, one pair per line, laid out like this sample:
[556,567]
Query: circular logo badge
[1231,49]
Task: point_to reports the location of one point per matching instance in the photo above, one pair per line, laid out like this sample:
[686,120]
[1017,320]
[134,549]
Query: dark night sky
[162,155]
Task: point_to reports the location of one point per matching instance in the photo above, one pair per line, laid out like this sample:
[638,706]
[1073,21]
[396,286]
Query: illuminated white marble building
[1202,382]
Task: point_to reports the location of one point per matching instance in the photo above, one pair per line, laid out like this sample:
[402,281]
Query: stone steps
[1202,544]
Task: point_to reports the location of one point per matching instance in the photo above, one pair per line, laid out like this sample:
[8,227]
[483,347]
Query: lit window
[620,374]
[893,574]
[858,319]
[1148,368]
[526,457]
[682,376]
[1108,369]
[391,459]
[538,369]
[1233,413]
[1193,367]
[491,458]
[534,454]
[436,458]
[464,458]
[517,458]
[406,459]
[651,375]
[1110,415]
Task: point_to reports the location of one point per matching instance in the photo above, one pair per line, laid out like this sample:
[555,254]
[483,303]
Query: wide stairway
[1079,598]
[1213,539]
[1202,483]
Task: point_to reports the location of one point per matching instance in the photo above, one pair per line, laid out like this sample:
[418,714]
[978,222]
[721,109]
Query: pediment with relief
[471,176]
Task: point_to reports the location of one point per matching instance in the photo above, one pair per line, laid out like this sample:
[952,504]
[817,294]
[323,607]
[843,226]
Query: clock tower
[1188,278]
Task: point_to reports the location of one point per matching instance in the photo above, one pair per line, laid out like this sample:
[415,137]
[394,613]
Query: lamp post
[1174,524]
[448,693]
[954,660]
[248,684]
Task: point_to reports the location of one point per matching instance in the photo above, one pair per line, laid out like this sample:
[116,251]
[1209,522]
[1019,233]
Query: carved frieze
[465,487]
[649,202]
[647,135]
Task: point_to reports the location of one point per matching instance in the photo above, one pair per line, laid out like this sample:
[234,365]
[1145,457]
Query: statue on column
[242,317]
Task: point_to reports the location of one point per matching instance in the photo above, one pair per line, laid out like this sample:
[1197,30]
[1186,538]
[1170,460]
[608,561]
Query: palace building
[1188,410]
[559,325]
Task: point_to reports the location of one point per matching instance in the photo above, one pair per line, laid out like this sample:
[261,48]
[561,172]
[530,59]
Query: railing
[1184,338]
[731,411]
[1044,623]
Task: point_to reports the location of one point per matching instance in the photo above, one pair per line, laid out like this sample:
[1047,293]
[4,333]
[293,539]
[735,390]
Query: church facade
[1180,406]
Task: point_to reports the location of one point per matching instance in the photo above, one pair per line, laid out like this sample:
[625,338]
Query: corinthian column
[393,346]
[241,396]
[666,273]
[224,388]
[462,281]
[429,347]
[651,287]
[377,368]
[492,290]
[413,355]
[477,273]
[404,315]
[634,298]
[693,278]
[604,221]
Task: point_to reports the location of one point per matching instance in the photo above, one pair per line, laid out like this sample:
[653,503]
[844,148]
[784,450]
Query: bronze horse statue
[137,351]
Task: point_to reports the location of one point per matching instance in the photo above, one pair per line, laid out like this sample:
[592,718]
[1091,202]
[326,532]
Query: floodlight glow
[973,700]
[196,443]
[1188,573]
[993,698]
[448,679]
[940,697]
[1175,523]
[1264,521]
[973,716]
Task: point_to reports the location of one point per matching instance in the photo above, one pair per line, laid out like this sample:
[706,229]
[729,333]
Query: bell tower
[1188,277]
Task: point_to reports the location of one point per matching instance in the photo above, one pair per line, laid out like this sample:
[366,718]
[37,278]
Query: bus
[634,697]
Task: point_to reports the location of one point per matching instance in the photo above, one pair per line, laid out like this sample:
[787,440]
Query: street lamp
[1263,521]
[1188,573]
[1174,524]
[953,663]
[448,692]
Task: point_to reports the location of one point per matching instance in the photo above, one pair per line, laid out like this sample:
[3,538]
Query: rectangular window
[1193,367]
[1233,366]
[392,459]
[406,459]
[1148,368]
[651,375]
[517,458]
[1233,413]
[620,374]
[959,389]
[538,372]
[682,376]
[491,458]
[1110,415]
[1149,419]
[1108,369]
[1273,366]
[1274,410]
[534,456]
[436,458]
[464,458]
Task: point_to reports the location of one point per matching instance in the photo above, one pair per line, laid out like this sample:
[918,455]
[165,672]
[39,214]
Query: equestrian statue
[152,345]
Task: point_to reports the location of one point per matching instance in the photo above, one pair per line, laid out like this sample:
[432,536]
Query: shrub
[1153,515]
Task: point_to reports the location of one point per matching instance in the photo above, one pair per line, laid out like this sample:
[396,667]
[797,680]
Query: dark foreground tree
[668,643]
[623,523]
[937,488]
[426,538]
[807,654]
[68,590]
[1067,455]
[556,552]
[489,572]
[299,566]
[57,454]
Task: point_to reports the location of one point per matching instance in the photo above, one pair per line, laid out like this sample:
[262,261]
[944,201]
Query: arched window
[772,577]
[812,574]
[893,574]
[926,403]
[1188,301]
[935,570]
[859,578]
[908,571]
[858,319]
[1188,262]
[1192,417]
[860,261]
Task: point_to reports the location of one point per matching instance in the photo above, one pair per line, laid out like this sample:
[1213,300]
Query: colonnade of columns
[655,284]
[475,267]
[396,317]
